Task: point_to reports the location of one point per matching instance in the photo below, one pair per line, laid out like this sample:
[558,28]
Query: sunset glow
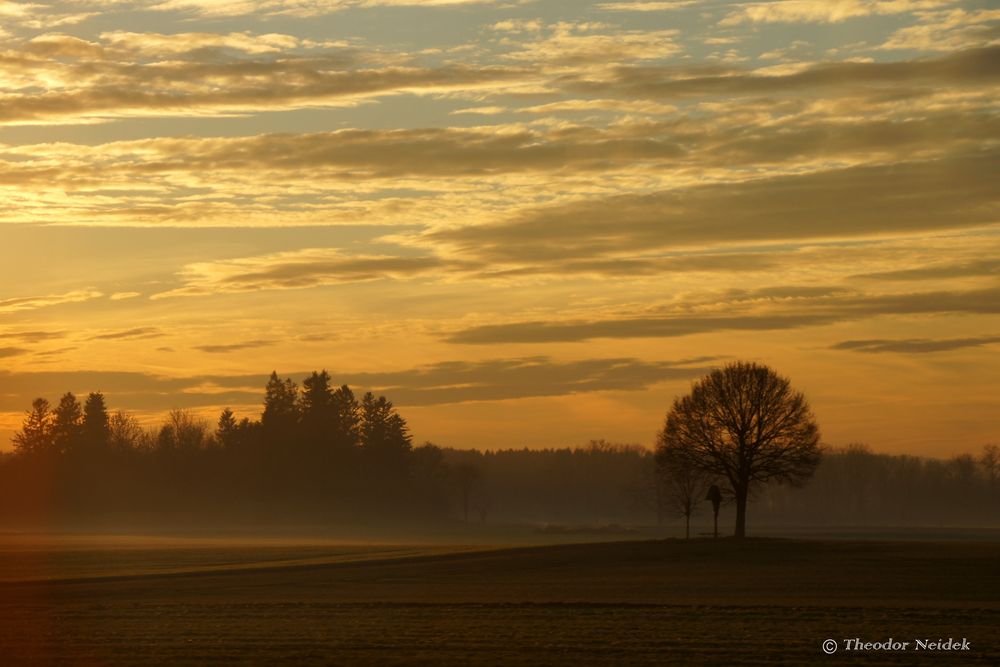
[529,223]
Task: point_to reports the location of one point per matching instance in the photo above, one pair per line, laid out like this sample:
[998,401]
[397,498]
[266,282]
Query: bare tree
[683,485]
[990,462]
[183,431]
[744,423]
[467,477]
[124,431]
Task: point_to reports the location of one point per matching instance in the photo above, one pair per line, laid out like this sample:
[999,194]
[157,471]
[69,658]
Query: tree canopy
[745,424]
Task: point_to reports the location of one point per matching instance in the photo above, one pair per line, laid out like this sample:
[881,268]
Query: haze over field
[528,223]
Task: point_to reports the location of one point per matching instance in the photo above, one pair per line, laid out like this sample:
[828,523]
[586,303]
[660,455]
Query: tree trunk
[687,526]
[741,512]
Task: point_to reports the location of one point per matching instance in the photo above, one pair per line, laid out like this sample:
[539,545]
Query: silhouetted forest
[319,456]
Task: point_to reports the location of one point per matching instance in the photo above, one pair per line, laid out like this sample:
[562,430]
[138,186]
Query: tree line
[317,455]
[317,452]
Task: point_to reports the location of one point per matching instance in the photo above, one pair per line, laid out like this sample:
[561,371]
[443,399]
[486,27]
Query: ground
[757,601]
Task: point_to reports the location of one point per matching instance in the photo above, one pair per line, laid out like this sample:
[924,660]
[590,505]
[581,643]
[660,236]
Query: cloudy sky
[528,222]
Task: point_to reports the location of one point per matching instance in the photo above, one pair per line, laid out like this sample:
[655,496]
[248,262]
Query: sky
[529,223]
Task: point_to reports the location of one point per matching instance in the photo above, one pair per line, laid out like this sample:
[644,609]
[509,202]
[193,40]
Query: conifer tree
[35,436]
[67,423]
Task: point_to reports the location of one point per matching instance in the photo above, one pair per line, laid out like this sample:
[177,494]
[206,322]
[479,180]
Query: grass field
[760,601]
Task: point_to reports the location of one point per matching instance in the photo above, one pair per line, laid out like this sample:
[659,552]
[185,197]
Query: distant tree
[67,424]
[744,423]
[124,432]
[384,432]
[347,434]
[862,478]
[430,478]
[95,429]
[317,412]
[35,436]
[684,485]
[226,432]
[468,478]
[963,469]
[182,431]
[281,408]
[990,462]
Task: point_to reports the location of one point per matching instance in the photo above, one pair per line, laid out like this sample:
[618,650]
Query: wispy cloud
[33,336]
[18,304]
[986,267]
[126,74]
[136,333]
[823,11]
[857,201]
[439,383]
[844,78]
[301,8]
[647,5]
[752,315]
[224,348]
[948,30]
[915,345]
[304,268]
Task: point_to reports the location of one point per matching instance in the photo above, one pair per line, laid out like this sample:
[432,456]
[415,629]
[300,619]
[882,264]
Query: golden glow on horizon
[527,223]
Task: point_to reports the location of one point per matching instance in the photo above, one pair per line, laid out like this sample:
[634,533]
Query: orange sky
[527,223]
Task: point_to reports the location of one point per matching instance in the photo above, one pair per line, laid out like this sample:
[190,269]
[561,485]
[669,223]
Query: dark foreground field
[651,602]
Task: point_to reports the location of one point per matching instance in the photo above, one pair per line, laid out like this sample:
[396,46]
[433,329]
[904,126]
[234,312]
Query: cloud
[971,67]
[137,333]
[126,390]
[481,111]
[430,384]
[823,11]
[986,267]
[914,345]
[504,379]
[133,74]
[863,201]
[430,175]
[12,351]
[33,336]
[225,348]
[750,315]
[638,327]
[297,269]
[593,105]
[568,44]
[19,304]
[45,354]
[948,30]
[648,6]
[595,132]
[300,8]
[48,15]
[151,43]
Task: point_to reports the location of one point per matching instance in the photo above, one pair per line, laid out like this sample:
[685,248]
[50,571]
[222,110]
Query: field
[761,601]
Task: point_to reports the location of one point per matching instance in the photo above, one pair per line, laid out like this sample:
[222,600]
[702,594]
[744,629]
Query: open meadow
[759,601]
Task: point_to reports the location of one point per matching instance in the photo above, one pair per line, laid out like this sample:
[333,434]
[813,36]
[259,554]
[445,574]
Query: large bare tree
[746,424]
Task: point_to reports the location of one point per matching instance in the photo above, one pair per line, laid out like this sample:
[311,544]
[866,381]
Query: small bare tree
[468,477]
[125,432]
[990,462]
[683,485]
